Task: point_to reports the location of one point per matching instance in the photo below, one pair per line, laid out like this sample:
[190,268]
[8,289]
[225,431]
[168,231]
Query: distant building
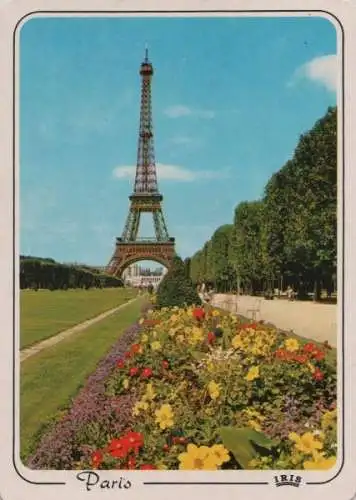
[136,276]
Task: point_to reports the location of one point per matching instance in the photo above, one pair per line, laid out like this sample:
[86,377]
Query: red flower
[211,338]
[165,447]
[96,458]
[284,355]
[118,448]
[318,355]
[120,363]
[199,313]
[318,375]
[131,463]
[127,355]
[281,353]
[135,348]
[165,364]
[146,373]
[148,467]
[301,358]
[309,347]
[134,441]
[133,371]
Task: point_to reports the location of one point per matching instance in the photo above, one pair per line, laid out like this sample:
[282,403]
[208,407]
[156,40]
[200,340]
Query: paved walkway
[40,346]
[307,319]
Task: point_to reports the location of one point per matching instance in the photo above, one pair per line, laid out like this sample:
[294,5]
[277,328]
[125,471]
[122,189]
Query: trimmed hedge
[44,273]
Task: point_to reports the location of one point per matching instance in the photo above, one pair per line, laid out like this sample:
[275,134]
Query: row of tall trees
[38,273]
[289,236]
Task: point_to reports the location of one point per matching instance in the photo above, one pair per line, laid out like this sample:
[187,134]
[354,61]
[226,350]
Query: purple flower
[91,413]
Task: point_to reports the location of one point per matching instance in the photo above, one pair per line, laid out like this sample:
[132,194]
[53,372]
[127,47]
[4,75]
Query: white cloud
[321,70]
[179,110]
[171,172]
[182,140]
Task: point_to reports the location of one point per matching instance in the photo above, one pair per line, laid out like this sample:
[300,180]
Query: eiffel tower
[145,197]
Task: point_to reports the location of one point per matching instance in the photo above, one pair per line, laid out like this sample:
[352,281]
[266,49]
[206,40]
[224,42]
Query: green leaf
[240,442]
[198,355]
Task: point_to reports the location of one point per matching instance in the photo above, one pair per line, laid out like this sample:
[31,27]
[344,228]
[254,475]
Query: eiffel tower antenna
[146,197]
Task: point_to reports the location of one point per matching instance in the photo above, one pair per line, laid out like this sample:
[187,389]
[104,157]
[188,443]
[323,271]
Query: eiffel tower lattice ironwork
[145,198]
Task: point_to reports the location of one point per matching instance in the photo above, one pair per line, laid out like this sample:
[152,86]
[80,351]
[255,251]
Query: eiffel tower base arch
[127,253]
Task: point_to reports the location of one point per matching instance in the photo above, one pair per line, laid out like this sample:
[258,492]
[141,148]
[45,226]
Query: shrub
[176,289]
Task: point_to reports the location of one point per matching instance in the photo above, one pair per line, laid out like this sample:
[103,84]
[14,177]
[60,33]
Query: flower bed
[202,391]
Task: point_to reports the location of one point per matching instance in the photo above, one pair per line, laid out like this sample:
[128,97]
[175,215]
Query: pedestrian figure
[290,293]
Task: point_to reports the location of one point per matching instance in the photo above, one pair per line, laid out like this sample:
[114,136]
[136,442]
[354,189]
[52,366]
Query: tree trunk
[317,290]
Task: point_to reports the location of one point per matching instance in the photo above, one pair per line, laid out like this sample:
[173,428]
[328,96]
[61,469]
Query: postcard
[177,268]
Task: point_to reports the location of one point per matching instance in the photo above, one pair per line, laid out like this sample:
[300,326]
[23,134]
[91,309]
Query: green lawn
[45,313]
[52,377]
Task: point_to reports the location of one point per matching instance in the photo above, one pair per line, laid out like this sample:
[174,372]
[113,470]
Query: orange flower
[96,459]
[135,348]
[318,355]
[301,358]
[318,375]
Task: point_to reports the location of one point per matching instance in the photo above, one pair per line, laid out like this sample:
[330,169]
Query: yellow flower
[216,312]
[197,458]
[161,466]
[156,346]
[144,338]
[174,318]
[180,338]
[196,335]
[319,462]
[311,367]
[214,390]
[253,373]
[254,425]
[220,453]
[126,383]
[237,342]
[306,443]
[141,321]
[253,414]
[328,420]
[140,405]
[149,394]
[254,463]
[164,416]
[210,366]
[292,345]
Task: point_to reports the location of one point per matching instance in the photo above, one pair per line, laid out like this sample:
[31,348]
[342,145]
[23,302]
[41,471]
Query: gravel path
[307,319]
[34,349]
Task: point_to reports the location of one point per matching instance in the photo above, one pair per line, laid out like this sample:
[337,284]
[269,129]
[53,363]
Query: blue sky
[231,97]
